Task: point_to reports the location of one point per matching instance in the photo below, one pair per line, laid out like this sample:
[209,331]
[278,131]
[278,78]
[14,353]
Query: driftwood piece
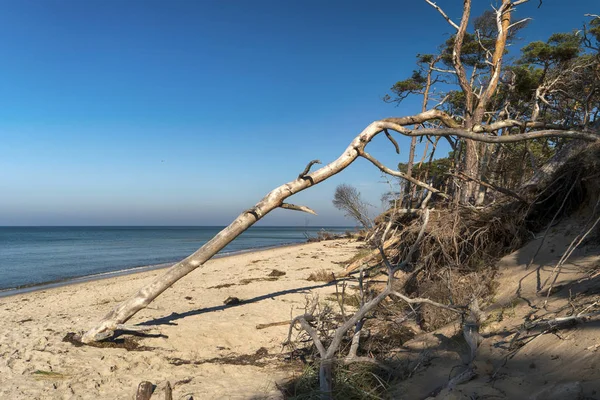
[144,391]
[168,391]
[278,323]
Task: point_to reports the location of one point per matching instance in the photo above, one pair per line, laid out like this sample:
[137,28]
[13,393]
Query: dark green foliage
[558,49]
[455,103]
[476,46]
[414,84]
[519,160]
[592,34]
[473,55]
[437,171]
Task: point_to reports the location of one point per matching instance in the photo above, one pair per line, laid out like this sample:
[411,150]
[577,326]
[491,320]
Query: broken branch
[308,167]
[295,207]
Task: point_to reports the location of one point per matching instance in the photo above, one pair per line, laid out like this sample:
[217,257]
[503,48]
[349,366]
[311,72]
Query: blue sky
[188,112]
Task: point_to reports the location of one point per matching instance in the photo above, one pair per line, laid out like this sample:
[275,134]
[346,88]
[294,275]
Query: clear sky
[141,112]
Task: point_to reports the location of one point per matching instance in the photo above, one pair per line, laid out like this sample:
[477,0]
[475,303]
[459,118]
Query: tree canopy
[549,84]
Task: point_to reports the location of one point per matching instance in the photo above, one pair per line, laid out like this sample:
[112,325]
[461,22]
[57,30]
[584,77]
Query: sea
[33,258]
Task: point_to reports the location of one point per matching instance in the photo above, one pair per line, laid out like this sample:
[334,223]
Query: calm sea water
[32,256]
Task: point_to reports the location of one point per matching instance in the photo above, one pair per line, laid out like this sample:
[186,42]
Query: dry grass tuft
[321,276]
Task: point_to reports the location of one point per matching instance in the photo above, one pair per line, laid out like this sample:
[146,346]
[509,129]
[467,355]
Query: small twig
[518,22]
[399,174]
[295,207]
[500,189]
[270,324]
[387,134]
[308,167]
[418,300]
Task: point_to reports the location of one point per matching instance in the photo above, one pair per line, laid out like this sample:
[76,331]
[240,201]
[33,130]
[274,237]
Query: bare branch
[305,209]
[591,137]
[302,320]
[308,167]
[456,53]
[387,134]
[442,101]
[510,123]
[399,174]
[444,71]
[518,22]
[446,17]
[423,117]
[418,300]
[491,186]
[414,246]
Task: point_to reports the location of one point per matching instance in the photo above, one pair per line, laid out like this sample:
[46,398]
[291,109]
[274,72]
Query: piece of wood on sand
[144,391]
[168,391]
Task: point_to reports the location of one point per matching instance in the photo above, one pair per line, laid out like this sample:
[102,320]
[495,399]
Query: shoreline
[36,287]
[198,337]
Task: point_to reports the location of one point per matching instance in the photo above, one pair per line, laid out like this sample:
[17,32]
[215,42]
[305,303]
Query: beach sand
[203,344]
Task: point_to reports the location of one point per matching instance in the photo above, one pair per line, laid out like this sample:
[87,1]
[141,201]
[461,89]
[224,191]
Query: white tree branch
[294,207]
[446,17]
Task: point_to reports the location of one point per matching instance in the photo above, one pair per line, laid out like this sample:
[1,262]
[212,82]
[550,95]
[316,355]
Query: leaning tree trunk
[408,198]
[124,311]
[275,199]
[547,170]
[471,168]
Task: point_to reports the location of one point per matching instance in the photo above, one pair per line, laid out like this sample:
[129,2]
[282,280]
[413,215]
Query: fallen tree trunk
[275,199]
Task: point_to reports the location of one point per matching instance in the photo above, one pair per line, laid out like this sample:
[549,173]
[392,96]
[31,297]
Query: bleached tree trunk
[275,199]
[124,311]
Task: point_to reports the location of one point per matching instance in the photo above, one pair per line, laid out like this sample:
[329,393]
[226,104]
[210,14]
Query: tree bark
[409,169]
[326,379]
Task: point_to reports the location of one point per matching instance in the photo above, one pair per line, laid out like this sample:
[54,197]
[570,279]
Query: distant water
[31,256]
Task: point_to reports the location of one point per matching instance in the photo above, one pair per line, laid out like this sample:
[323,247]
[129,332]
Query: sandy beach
[201,346]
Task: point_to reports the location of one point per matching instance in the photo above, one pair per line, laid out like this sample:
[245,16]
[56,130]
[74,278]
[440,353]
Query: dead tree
[275,199]
[470,127]
[327,354]
[347,198]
